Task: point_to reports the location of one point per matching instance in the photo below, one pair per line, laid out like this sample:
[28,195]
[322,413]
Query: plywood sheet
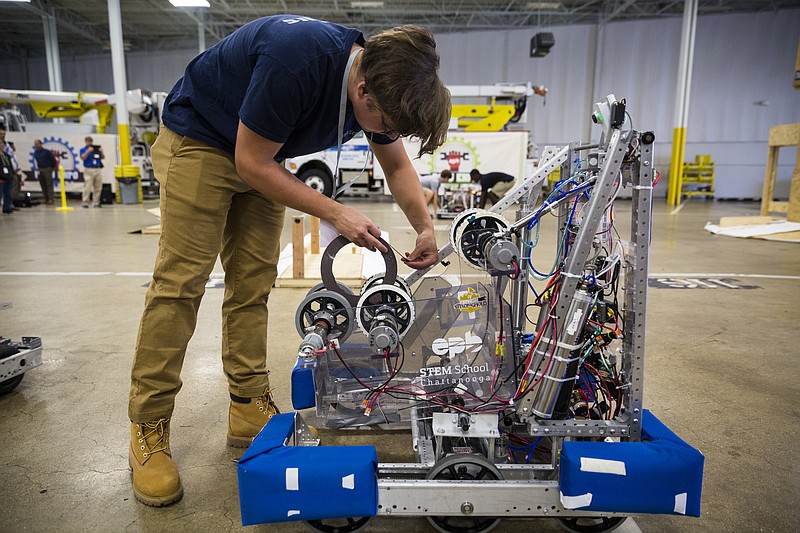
[744,221]
[792,236]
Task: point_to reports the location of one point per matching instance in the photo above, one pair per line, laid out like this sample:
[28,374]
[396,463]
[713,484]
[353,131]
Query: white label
[573,325]
[349,482]
[292,481]
[680,503]
[576,502]
[602,466]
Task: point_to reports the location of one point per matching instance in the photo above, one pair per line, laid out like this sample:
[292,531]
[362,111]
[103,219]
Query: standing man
[45,163]
[493,185]
[92,157]
[10,151]
[7,176]
[278,87]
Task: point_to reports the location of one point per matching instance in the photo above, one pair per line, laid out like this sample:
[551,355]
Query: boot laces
[160,435]
[266,405]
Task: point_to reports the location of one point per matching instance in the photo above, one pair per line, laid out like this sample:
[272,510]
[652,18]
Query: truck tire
[319,180]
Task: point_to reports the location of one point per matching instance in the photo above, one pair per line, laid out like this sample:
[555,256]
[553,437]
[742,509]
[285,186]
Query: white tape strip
[349,482]
[602,466]
[292,512]
[680,503]
[547,340]
[576,502]
[292,481]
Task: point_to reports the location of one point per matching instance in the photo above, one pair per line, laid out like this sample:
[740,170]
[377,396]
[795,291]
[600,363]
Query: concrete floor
[723,371]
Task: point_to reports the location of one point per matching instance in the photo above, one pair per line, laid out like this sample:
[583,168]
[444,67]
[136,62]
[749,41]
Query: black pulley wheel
[10,384]
[339,525]
[591,524]
[464,467]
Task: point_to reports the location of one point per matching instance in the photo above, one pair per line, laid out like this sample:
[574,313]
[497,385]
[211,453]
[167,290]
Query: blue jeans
[7,194]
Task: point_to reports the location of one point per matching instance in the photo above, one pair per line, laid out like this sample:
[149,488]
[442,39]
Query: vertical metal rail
[635,311]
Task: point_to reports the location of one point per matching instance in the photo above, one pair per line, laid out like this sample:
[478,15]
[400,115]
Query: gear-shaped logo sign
[456,155]
[65,156]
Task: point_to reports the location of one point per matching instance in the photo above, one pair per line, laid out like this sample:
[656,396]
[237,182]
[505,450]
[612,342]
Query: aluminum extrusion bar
[502,498]
[636,296]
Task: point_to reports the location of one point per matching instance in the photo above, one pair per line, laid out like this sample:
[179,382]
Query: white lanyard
[340,133]
[343,107]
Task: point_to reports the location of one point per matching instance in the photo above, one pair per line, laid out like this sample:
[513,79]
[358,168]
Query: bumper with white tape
[660,475]
[279,482]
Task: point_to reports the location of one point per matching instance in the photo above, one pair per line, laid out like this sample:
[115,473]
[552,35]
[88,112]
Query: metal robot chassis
[487,455]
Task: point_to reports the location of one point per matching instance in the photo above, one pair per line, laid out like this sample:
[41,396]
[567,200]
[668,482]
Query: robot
[522,390]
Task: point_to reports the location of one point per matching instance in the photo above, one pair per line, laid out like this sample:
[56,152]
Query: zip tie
[564,380]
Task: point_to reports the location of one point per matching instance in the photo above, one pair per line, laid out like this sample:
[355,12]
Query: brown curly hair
[400,69]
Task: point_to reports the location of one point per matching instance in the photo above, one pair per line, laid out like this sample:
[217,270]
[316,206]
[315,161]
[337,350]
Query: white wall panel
[639,62]
[157,71]
[739,60]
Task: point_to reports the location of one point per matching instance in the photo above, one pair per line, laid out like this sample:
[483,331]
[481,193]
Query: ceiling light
[544,5]
[26,1]
[190,3]
[366,4]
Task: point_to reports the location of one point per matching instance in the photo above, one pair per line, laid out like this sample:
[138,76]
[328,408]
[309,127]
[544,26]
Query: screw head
[467,508]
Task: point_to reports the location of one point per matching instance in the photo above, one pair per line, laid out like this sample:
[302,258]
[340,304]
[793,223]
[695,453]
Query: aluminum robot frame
[462,480]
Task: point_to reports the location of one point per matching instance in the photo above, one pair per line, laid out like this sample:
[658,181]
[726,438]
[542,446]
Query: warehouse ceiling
[151,25]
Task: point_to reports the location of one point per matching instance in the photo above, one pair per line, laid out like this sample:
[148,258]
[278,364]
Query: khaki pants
[502,187]
[206,210]
[93,185]
[46,183]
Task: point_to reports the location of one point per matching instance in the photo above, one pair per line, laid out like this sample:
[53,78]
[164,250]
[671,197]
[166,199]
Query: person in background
[430,188]
[493,185]
[46,164]
[92,157]
[7,176]
[10,150]
[278,87]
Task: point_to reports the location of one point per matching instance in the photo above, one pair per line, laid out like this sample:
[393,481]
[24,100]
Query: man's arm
[257,167]
[484,195]
[407,190]
[85,151]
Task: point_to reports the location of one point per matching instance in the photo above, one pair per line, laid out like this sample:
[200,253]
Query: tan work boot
[247,416]
[155,477]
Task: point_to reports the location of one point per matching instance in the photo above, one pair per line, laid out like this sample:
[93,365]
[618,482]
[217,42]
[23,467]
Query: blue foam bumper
[303,388]
[279,483]
[660,475]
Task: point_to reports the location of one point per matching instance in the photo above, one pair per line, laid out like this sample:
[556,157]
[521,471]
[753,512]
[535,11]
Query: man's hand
[424,254]
[358,228]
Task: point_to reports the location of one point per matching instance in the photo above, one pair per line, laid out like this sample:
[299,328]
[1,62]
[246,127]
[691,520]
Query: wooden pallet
[779,136]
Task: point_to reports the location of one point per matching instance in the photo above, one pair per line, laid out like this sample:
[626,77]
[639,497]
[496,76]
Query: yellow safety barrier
[676,167]
[63,192]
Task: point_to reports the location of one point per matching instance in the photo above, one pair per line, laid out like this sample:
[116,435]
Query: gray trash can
[128,190]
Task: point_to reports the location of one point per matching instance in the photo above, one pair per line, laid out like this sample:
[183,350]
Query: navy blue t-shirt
[280,75]
[490,179]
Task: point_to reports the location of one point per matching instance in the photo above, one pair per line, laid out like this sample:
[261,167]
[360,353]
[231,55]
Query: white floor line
[678,209]
[716,275]
[463,276]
